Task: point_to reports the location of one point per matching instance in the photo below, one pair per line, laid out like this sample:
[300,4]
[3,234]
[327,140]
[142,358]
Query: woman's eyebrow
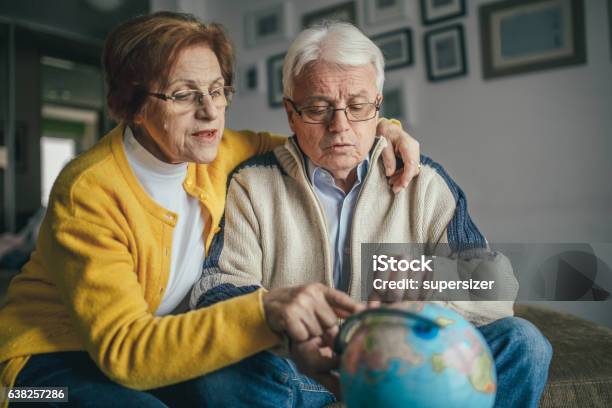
[189,81]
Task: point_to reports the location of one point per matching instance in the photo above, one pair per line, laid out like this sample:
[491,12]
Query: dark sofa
[580,374]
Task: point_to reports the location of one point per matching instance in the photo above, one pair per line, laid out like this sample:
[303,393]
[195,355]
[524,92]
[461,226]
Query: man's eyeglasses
[355,112]
[189,98]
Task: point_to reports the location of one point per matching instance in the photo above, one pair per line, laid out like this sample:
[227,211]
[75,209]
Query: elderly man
[300,213]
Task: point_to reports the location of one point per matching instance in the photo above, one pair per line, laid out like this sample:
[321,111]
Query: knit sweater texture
[274,231]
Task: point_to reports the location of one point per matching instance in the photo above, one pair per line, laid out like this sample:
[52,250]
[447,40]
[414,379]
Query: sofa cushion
[581,370]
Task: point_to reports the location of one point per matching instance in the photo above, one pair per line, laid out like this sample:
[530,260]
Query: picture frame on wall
[275,80]
[519,36]
[267,25]
[249,80]
[436,11]
[341,12]
[380,11]
[396,47]
[445,53]
[394,103]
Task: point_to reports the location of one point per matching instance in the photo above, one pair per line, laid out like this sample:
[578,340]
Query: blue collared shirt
[338,207]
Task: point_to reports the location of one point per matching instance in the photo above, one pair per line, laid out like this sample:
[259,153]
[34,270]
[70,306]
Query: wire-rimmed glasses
[355,112]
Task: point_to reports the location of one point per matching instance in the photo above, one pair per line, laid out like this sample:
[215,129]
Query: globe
[414,355]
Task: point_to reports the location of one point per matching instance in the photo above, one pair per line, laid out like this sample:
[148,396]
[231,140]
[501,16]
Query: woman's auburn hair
[140,53]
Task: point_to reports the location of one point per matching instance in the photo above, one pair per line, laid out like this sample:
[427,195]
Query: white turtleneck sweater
[164,183]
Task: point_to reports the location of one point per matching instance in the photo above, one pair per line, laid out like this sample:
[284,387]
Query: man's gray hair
[336,42]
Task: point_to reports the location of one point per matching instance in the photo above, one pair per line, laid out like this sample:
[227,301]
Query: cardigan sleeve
[463,253]
[234,264]
[94,272]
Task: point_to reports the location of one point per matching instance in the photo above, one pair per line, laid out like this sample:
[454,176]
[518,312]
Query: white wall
[531,151]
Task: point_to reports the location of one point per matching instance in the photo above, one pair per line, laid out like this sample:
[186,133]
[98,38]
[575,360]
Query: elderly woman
[99,307]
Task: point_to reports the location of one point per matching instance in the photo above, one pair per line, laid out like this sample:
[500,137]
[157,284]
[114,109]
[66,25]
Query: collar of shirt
[321,178]
[338,208]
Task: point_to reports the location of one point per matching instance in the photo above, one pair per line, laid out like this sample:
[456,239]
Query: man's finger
[341,302]
[329,336]
[373,304]
[296,329]
[312,324]
[308,346]
[326,315]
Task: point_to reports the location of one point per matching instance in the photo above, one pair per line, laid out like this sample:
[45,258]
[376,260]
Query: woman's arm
[95,274]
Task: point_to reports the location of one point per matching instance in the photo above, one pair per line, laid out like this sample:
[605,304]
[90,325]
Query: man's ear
[291,114]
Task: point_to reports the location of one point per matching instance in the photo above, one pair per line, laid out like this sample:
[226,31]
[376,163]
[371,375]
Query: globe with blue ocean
[416,355]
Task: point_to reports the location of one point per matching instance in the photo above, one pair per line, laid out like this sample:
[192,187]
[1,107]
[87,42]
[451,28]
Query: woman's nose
[206,110]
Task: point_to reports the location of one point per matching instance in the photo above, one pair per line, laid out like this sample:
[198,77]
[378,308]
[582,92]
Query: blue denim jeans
[522,357]
[263,380]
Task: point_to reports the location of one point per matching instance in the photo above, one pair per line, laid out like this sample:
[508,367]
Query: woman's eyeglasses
[220,97]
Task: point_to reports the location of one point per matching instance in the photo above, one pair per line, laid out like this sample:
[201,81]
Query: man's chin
[342,155]
[338,168]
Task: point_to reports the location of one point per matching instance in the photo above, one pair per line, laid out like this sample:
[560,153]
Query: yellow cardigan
[100,268]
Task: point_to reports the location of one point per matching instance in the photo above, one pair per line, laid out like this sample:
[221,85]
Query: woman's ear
[138,119]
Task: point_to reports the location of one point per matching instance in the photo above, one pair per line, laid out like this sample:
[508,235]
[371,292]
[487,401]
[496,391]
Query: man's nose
[339,122]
